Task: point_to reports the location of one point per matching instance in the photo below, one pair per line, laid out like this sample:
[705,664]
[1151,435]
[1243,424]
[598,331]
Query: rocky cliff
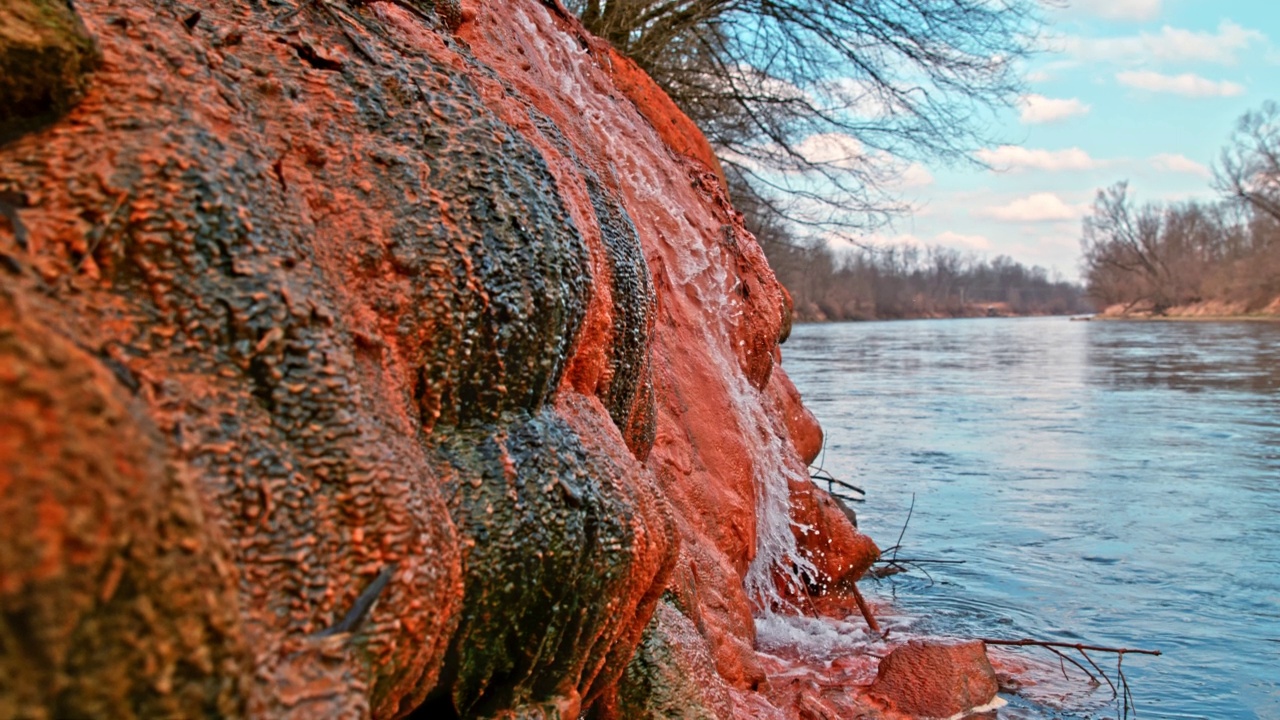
[383,359]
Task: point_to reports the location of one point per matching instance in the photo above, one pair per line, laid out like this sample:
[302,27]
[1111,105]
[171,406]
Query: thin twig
[822,459]
[356,615]
[904,526]
[822,474]
[866,612]
[1063,656]
[1070,646]
[831,480]
[893,567]
[897,565]
[927,561]
[926,572]
[1085,655]
[102,231]
[804,591]
[10,201]
[341,22]
[1124,683]
[1123,694]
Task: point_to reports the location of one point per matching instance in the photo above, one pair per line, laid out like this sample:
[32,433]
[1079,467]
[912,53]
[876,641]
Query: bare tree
[1121,249]
[814,106]
[1249,169]
[1180,253]
[1184,253]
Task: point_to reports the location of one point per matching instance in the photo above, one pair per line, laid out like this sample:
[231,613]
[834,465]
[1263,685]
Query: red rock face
[107,562]
[394,361]
[935,679]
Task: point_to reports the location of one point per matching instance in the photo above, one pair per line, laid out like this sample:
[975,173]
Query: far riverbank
[1207,311]
[813,314]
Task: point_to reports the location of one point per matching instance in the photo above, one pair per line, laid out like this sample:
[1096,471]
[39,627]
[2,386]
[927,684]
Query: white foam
[818,639]
[995,704]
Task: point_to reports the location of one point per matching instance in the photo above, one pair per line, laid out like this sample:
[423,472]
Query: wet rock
[557,564]
[449,13]
[935,679]
[115,599]
[322,296]
[46,55]
[675,128]
[802,427]
[671,675]
[825,529]
[826,536]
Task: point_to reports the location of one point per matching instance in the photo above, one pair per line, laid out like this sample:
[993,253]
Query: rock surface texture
[383,359]
[936,679]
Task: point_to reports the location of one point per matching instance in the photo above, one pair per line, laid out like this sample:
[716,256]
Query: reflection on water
[1187,356]
[1116,483]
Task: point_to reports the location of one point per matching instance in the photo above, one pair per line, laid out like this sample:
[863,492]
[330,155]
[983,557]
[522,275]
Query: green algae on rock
[552,540]
[672,673]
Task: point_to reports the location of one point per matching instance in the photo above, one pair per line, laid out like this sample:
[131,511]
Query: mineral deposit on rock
[379,359]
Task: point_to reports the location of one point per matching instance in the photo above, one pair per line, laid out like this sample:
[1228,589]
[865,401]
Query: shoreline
[1208,311]
[798,321]
[1205,311]
[1187,318]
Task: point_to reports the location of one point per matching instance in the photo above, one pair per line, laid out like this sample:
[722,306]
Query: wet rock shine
[379,359]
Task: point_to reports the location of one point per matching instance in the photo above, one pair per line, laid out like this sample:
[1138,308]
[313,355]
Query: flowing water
[1110,483]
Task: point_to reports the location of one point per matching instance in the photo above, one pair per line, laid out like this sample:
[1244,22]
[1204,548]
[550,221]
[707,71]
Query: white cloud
[1169,162]
[1119,9]
[906,240]
[1038,76]
[1037,109]
[1040,207]
[858,97]
[1185,84]
[968,242]
[913,176]
[841,241]
[752,80]
[947,238]
[845,152]
[1012,158]
[1170,45]
[834,149]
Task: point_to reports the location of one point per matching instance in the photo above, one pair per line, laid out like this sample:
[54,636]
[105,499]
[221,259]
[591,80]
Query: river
[1112,483]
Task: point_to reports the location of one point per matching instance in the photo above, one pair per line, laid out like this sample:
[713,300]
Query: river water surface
[1111,483]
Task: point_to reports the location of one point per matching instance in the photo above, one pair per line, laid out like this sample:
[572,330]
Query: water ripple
[1114,483]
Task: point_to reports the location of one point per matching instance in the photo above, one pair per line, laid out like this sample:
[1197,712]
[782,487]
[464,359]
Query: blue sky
[1141,90]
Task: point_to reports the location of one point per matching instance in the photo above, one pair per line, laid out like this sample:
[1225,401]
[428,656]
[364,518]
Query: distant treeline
[910,282]
[1156,257]
[1159,256]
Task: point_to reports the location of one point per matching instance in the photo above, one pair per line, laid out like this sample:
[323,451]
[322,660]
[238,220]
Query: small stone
[935,679]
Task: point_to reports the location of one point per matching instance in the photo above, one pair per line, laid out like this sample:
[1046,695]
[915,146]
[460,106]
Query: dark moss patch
[547,548]
[672,674]
[628,393]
